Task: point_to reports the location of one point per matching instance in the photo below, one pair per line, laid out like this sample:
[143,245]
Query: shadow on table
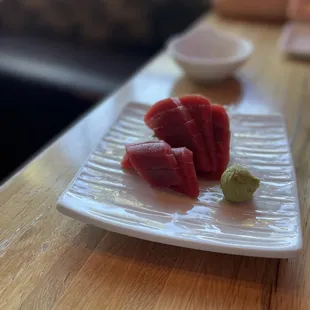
[154,267]
[225,92]
[298,59]
[209,265]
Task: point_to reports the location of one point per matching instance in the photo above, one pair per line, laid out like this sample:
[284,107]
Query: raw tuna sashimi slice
[171,116]
[168,108]
[221,132]
[200,109]
[154,162]
[189,185]
[222,141]
[173,124]
[125,163]
[151,155]
[176,136]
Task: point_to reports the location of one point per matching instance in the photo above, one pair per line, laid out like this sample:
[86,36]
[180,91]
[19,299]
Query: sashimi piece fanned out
[161,166]
[194,139]
[172,123]
[221,130]
[171,115]
[221,133]
[200,108]
[189,185]
[125,163]
[154,162]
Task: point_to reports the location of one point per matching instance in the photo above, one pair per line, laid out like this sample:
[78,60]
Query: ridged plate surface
[104,195]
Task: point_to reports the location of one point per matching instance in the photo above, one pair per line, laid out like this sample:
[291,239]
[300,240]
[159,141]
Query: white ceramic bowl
[208,54]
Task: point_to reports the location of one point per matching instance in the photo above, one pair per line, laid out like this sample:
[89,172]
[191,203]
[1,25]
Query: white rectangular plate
[295,39]
[104,195]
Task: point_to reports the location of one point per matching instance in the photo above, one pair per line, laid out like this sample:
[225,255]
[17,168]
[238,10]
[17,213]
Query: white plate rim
[76,210]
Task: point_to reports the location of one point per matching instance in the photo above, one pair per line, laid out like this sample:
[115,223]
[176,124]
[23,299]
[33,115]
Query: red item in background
[252,9]
[299,10]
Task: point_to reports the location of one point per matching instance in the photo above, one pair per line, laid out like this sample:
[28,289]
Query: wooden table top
[50,261]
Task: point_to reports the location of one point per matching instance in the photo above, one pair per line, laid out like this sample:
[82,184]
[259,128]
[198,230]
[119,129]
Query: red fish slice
[189,185]
[167,115]
[200,109]
[222,141]
[154,162]
[173,124]
[182,164]
[125,163]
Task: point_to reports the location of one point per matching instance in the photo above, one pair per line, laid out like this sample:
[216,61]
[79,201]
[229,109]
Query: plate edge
[66,208]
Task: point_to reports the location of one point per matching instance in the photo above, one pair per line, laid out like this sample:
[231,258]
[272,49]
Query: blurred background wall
[58,58]
[120,22]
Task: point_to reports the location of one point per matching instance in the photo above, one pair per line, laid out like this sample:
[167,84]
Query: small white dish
[295,39]
[104,195]
[208,54]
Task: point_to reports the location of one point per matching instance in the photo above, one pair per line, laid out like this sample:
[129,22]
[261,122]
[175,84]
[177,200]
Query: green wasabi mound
[238,184]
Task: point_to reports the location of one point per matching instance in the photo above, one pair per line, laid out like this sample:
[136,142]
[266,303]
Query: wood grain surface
[49,261]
